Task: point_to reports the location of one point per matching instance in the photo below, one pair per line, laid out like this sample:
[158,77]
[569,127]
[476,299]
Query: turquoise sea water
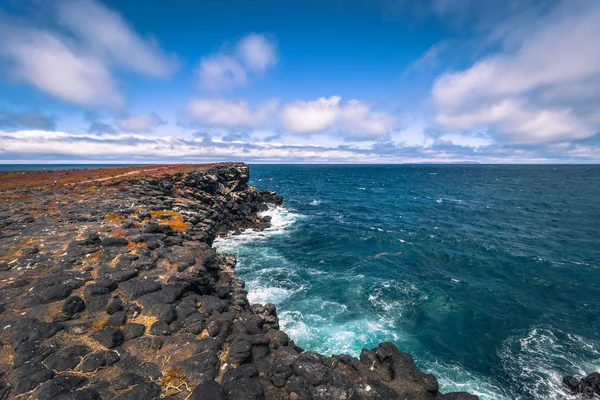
[488,275]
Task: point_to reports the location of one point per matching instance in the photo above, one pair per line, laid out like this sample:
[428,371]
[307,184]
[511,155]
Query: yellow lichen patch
[114,219]
[173,378]
[171,218]
[99,325]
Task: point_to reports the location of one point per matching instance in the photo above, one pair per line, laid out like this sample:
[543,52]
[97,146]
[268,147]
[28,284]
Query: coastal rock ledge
[111,290]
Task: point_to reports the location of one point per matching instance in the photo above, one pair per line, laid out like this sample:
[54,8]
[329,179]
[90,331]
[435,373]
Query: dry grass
[173,378]
[146,320]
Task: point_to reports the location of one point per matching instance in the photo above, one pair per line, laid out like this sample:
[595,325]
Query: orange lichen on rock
[114,218]
[171,218]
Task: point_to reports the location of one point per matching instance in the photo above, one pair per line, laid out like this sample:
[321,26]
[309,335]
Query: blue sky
[363,81]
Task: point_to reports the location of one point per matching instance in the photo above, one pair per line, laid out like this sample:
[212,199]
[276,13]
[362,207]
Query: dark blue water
[488,275]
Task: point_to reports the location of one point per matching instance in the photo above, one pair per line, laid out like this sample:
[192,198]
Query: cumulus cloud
[252,54]
[230,113]
[78,68]
[140,122]
[355,118]
[26,120]
[257,52]
[528,92]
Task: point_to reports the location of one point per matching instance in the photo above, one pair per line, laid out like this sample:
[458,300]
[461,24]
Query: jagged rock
[73,305]
[67,358]
[207,390]
[243,383]
[133,330]
[28,376]
[137,287]
[588,386]
[109,337]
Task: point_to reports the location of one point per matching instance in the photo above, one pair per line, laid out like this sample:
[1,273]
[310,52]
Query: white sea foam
[537,361]
[315,203]
[456,378]
[281,219]
[318,332]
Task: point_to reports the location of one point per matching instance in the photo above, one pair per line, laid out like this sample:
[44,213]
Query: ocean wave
[315,203]
[317,332]
[456,378]
[281,219]
[537,362]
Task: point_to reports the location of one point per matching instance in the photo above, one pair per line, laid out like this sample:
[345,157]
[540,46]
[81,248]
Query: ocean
[488,275]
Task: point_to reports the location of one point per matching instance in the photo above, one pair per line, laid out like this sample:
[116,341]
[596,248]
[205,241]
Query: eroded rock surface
[111,290]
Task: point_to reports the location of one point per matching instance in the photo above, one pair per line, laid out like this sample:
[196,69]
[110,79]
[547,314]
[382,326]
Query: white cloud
[412,136]
[519,92]
[79,69]
[140,123]
[220,72]
[45,61]
[230,113]
[355,118]
[252,54]
[107,34]
[474,141]
[257,52]
[311,116]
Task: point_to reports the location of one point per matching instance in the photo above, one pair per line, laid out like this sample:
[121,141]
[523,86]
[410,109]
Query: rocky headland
[110,289]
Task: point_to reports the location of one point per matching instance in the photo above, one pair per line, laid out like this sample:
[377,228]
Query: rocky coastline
[111,290]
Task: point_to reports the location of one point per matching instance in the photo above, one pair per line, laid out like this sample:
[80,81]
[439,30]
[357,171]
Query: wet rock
[588,386]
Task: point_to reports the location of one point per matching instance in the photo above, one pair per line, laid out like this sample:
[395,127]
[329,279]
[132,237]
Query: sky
[311,81]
